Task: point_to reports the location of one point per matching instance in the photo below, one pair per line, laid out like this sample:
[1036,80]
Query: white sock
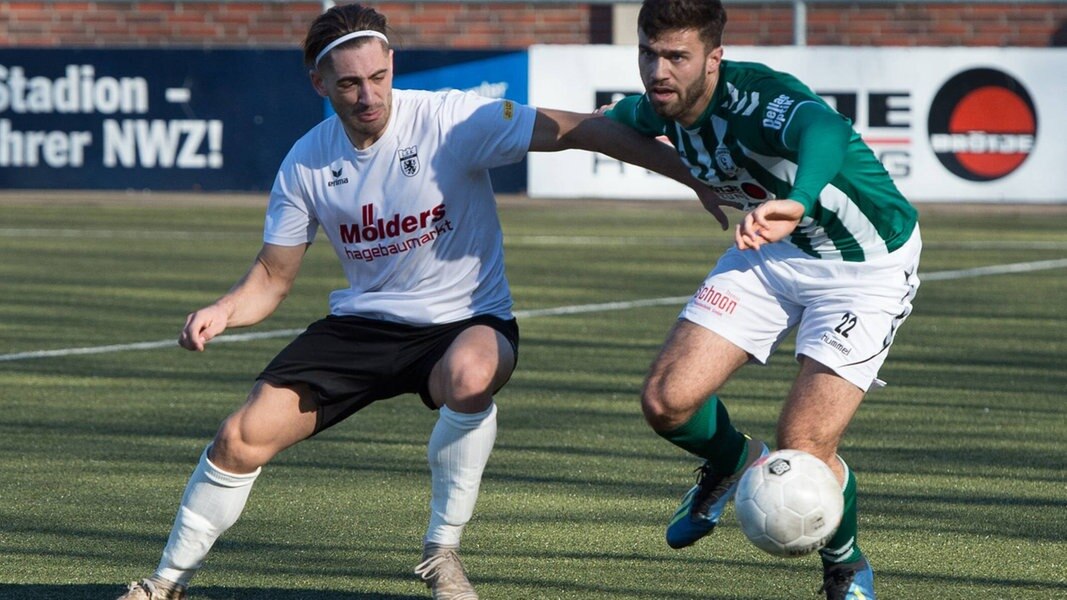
[212,502]
[458,450]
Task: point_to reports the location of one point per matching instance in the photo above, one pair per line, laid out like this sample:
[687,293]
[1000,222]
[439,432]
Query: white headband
[350,36]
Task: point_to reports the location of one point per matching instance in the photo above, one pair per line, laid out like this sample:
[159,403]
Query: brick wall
[515,25]
[273,24]
[951,24]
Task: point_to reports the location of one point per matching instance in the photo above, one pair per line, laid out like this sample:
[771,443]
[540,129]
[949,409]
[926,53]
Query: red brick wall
[515,25]
[899,24]
[953,24]
[487,25]
[155,24]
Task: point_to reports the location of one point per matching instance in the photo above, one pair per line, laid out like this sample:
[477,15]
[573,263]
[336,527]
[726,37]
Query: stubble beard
[685,101]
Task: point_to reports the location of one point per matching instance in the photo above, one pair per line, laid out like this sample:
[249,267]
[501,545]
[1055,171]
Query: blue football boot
[852,581]
[703,504]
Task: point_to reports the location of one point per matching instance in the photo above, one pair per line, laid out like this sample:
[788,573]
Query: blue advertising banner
[150,119]
[490,73]
[177,119]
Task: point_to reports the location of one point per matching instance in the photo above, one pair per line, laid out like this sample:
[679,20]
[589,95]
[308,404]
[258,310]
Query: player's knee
[472,385]
[231,451]
[656,405]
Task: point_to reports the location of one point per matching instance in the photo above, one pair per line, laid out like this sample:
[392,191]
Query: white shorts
[846,313]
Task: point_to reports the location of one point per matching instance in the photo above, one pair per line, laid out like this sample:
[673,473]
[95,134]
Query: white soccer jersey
[412,218]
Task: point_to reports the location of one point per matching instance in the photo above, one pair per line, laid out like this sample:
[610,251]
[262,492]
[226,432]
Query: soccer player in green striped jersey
[828,246]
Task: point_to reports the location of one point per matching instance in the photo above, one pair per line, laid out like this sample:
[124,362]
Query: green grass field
[961,460]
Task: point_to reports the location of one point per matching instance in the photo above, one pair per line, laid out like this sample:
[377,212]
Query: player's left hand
[769,222]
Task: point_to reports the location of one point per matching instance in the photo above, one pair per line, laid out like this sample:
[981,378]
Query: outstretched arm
[556,130]
[821,138]
[251,299]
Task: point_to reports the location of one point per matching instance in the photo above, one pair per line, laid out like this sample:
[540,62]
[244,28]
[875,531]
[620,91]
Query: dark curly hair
[708,17]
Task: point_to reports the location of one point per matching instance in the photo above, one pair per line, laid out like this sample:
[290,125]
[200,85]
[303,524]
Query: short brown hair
[708,17]
[340,20]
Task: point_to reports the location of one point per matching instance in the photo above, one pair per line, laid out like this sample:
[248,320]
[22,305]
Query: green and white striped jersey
[767,135]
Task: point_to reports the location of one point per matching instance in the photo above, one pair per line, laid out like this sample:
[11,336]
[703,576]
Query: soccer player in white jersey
[829,248]
[398,183]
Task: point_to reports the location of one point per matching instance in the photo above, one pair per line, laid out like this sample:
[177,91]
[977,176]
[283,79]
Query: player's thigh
[736,315]
[746,303]
[693,364]
[271,419]
[818,410]
[478,362]
[850,327]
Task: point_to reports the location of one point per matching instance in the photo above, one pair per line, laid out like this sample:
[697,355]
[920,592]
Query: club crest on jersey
[409,160]
[725,162]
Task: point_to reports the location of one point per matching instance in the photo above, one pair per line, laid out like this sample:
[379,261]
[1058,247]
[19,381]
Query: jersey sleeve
[821,139]
[290,220]
[636,113]
[486,132]
[791,121]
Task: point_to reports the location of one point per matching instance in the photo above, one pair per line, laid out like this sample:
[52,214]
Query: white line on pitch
[997,245]
[120,234]
[588,308]
[603,240]
[512,240]
[222,339]
[1026,267]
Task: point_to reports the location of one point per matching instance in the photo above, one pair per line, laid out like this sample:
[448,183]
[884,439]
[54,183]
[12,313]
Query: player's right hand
[202,326]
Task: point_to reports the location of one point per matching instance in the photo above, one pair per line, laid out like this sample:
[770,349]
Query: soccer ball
[789,503]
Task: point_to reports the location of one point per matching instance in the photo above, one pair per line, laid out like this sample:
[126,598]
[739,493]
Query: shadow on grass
[33,591]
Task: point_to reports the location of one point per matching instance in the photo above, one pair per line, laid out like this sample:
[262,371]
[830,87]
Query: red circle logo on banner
[982,124]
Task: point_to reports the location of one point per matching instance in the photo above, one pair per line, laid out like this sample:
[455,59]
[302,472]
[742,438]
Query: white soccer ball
[789,503]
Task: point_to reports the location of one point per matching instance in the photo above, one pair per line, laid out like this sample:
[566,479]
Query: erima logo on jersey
[337,179]
[774,115]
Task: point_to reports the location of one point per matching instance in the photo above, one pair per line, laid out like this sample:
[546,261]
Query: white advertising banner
[950,124]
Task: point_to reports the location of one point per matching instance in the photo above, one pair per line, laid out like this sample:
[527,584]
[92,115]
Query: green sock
[843,547]
[709,434]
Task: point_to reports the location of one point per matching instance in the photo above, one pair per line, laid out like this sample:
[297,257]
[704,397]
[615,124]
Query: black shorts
[349,362]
